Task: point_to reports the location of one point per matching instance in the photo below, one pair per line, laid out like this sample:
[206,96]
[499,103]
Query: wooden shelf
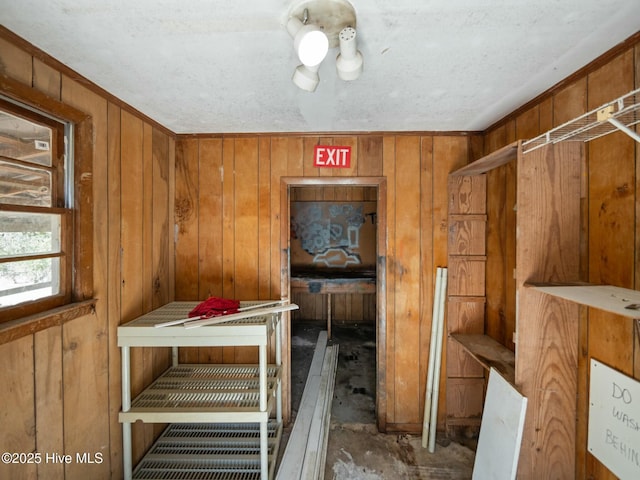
[489,353]
[489,162]
[334,284]
[618,300]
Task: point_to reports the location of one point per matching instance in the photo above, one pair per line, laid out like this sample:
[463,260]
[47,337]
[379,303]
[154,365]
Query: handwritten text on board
[614,420]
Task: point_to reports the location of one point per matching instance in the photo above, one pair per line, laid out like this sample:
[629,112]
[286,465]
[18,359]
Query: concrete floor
[356,450]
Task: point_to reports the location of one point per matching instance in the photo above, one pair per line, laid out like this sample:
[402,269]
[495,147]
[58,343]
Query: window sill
[22,327]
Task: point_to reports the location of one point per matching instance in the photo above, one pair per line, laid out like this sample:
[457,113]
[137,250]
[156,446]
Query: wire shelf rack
[209,451]
[620,114]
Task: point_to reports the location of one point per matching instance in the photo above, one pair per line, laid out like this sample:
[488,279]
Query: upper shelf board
[489,162]
[621,301]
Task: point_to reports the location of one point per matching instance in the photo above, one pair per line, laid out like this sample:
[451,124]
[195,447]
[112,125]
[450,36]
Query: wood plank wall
[62,385]
[610,231]
[64,382]
[228,213]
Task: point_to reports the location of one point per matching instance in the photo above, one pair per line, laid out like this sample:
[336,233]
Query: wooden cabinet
[222,418]
[540,244]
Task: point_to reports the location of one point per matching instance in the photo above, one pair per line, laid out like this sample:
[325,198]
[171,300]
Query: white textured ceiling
[213,66]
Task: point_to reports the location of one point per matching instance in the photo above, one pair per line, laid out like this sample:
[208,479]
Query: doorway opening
[333,266]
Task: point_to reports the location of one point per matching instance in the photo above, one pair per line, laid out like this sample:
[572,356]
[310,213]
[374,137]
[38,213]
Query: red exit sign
[331,156]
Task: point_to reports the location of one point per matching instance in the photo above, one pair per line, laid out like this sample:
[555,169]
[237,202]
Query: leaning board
[614,420]
[501,431]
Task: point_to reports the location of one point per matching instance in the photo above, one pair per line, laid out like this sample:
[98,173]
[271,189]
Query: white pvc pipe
[127,458]
[438,360]
[432,347]
[622,127]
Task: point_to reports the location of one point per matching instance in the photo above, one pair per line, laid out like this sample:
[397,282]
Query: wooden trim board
[489,353]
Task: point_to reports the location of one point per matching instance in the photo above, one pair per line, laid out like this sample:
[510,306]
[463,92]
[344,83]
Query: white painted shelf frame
[204,393]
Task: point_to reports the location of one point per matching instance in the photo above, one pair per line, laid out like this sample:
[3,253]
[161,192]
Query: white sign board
[614,420]
[500,431]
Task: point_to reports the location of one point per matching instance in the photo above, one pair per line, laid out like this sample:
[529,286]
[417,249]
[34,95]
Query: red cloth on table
[214,307]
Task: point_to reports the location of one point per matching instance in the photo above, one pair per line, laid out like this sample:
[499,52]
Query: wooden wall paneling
[465,398]
[569,103]
[48,399]
[545,115]
[466,276]
[132,242]
[465,294]
[510,213]
[497,233]
[228,230]
[147,220]
[85,395]
[465,315]
[171,165]
[281,148]
[550,384]
[548,201]
[549,195]
[611,222]
[306,161]
[430,213]
[161,238]
[449,153]
[264,219]
[476,147]
[370,155]
[15,62]
[407,272]
[210,228]
[246,230]
[46,79]
[469,195]
[186,218]
[162,235]
[264,229]
[501,308]
[17,412]
[611,204]
[147,258]
[386,365]
[85,340]
[210,246]
[468,234]
[527,124]
[114,286]
[582,400]
[247,256]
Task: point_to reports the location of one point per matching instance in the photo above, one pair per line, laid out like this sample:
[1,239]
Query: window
[36,218]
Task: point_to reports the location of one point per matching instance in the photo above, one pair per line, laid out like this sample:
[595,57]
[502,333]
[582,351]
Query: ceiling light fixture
[316,26]
[306,77]
[310,43]
[349,61]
